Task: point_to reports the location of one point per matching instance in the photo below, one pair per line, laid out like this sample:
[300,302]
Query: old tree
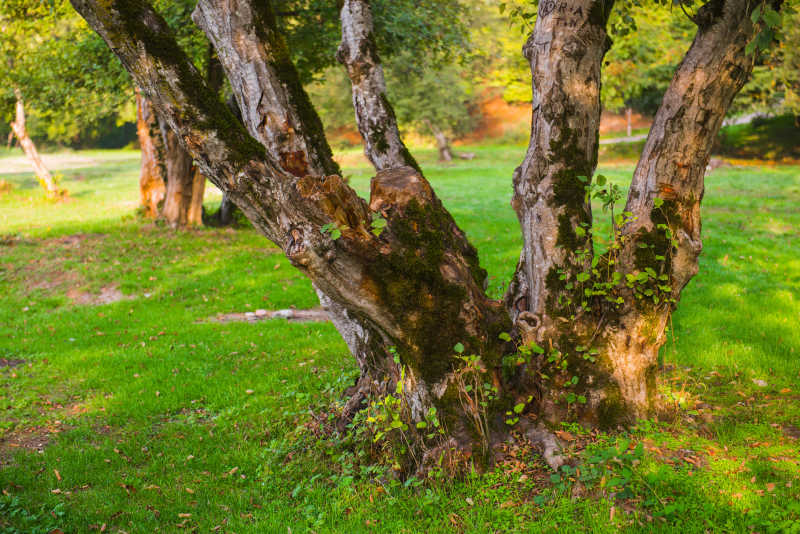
[578,333]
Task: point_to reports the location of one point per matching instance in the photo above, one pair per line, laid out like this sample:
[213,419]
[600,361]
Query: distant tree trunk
[628,118]
[152,177]
[180,179]
[20,131]
[442,143]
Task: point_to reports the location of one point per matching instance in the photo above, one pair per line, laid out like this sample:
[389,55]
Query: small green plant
[16,519]
[378,224]
[475,392]
[332,230]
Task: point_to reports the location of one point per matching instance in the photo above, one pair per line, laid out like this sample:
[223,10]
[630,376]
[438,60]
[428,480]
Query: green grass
[775,138]
[151,413]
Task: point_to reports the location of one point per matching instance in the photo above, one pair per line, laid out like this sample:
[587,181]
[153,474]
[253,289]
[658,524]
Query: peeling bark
[152,176]
[565,52]
[273,104]
[403,293]
[672,169]
[26,143]
[375,117]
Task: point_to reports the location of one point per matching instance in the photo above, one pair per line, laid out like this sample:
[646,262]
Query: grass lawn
[140,415]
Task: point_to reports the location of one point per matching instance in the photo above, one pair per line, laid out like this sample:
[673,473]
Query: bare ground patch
[10,363]
[32,440]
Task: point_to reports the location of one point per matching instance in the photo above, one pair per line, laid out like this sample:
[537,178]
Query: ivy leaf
[519,407]
[459,348]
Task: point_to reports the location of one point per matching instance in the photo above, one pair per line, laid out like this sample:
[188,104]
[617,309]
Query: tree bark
[180,179]
[26,143]
[152,187]
[405,291]
[667,188]
[375,117]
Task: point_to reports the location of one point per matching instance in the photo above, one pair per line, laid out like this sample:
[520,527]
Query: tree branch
[565,52]
[374,114]
[275,108]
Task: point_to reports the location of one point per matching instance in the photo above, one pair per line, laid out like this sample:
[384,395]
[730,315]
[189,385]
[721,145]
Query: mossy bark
[401,280]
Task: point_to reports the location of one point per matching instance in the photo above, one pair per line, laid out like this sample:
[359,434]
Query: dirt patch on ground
[107,295]
[10,363]
[791,431]
[291,314]
[46,271]
[31,440]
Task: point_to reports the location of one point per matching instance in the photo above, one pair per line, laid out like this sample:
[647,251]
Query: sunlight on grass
[153,417]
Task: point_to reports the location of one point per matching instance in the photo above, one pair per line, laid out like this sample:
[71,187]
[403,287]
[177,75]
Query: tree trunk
[180,179]
[374,115]
[628,118]
[665,195]
[27,145]
[153,173]
[442,143]
[401,280]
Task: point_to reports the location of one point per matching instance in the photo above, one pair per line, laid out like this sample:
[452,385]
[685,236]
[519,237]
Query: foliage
[428,96]
[15,519]
[775,85]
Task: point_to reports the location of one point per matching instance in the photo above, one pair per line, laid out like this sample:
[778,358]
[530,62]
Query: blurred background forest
[454,70]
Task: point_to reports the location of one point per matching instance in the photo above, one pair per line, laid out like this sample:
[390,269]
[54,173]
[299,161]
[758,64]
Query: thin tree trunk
[152,187]
[374,115]
[20,131]
[442,143]
[628,118]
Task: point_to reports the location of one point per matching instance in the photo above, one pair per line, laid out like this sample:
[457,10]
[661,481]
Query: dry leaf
[566,436]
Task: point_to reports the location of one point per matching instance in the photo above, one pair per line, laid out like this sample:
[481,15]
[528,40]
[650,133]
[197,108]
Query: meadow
[126,407]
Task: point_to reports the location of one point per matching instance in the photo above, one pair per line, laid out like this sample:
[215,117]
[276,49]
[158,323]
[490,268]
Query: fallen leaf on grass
[566,436]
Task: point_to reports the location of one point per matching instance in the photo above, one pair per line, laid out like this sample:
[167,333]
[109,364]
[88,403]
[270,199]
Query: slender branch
[374,114]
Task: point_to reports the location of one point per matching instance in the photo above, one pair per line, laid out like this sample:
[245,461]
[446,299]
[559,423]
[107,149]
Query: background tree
[401,280]
[639,66]
[432,98]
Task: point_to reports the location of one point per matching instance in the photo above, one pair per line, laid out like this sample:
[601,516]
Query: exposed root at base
[549,444]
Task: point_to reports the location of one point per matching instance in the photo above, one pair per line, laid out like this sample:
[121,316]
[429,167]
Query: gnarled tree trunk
[401,280]
[20,130]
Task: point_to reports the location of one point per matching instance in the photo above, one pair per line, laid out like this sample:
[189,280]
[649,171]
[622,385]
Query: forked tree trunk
[442,143]
[401,280]
[152,177]
[18,127]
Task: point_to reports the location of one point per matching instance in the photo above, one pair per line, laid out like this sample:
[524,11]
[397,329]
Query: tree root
[550,445]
